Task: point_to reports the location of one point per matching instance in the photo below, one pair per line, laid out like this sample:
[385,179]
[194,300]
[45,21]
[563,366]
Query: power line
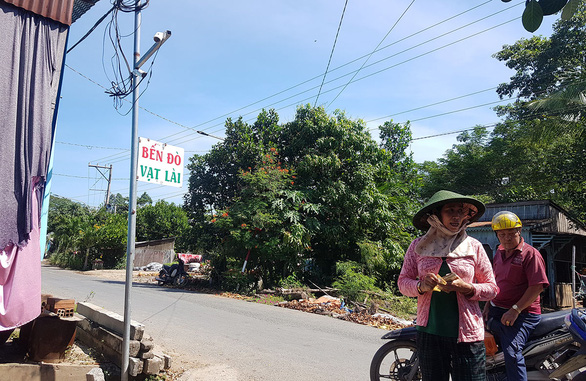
[492,125]
[91,29]
[377,72]
[358,59]
[88,177]
[91,146]
[332,52]
[370,55]
[192,128]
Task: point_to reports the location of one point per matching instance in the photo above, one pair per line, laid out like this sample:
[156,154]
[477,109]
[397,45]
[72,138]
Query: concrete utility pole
[136,74]
[109,179]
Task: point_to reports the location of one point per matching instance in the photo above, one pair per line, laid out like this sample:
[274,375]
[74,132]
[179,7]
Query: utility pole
[136,74]
[109,179]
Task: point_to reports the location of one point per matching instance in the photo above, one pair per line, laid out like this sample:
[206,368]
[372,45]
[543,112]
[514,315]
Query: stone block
[95,374]
[166,359]
[147,343]
[152,366]
[108,338]
[146,355]
[135,366]
[93,342]
[111,320]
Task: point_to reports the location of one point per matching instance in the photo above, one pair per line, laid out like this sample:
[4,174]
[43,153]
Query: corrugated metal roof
[58,10]
[63,11]
[80,7]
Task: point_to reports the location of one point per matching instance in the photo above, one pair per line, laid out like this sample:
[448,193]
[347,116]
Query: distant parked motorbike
[548,347]
[174,275]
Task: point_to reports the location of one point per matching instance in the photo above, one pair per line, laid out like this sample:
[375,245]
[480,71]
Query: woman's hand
[458,285]
[429,281]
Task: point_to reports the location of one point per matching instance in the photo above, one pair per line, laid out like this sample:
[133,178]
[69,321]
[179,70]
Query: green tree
[546,125]
[81,235]
[144,200]
[215,177]
[118,204]
[536,9]
[466,168]
[346,191]
[61,213]
[162,220]
[270,221]
[69,231]
[112,234]
[538,151]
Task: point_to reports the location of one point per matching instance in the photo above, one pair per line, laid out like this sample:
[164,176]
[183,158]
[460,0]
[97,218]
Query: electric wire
[370,55]
[369,75]
[91,146]
[281,92]
[91,29]
[183,126]
[121,84]
[332,52]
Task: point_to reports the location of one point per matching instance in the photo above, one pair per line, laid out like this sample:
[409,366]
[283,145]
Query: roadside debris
[334,307]
[153,266]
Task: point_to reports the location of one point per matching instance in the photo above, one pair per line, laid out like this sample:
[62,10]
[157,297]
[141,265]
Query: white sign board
[159,163]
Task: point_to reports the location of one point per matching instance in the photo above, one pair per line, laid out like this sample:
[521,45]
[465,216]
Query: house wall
[161,251]
[487,237]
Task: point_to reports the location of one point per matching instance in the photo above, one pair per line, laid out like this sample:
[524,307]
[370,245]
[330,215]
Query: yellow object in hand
[441,281]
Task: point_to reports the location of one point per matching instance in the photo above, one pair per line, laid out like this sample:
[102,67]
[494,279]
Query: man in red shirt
[519,271]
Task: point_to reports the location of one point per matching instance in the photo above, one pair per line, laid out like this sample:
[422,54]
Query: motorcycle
[174,275]
[548,347]
[576,323]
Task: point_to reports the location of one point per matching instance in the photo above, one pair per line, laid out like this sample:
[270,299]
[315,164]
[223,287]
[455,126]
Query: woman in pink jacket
[450,329]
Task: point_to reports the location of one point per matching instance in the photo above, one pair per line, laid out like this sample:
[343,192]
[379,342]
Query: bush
[291,282]
[352,282]
[69,260]
[235,280]
[400,306]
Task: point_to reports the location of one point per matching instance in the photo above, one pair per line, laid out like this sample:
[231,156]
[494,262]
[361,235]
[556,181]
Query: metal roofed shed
[551,230]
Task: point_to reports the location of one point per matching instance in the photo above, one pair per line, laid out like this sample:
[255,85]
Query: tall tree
[338,198]
[162,220]
[538,151]
[549,114]
[214,177]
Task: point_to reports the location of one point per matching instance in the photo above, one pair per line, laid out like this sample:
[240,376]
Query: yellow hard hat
[505,220]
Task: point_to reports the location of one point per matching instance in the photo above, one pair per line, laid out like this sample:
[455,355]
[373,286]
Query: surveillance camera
[159,36]
[162,36]
[139,73]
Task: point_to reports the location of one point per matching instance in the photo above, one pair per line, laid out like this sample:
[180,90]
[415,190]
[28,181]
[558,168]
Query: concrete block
[166,359]
[95,374]
[93,342]
[146,355]
[147,343]
[111,320]
[115,342]
[152,366]
[108,338]
[135,366]
[43,371]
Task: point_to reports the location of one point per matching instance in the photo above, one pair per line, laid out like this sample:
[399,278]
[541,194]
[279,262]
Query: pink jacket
[475,269]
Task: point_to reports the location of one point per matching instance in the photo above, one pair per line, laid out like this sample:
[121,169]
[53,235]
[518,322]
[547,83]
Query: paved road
[229,339]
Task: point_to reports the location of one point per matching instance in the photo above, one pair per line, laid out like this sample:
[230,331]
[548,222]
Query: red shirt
[524,268]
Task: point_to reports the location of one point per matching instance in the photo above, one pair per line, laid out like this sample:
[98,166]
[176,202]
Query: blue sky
[233,58]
